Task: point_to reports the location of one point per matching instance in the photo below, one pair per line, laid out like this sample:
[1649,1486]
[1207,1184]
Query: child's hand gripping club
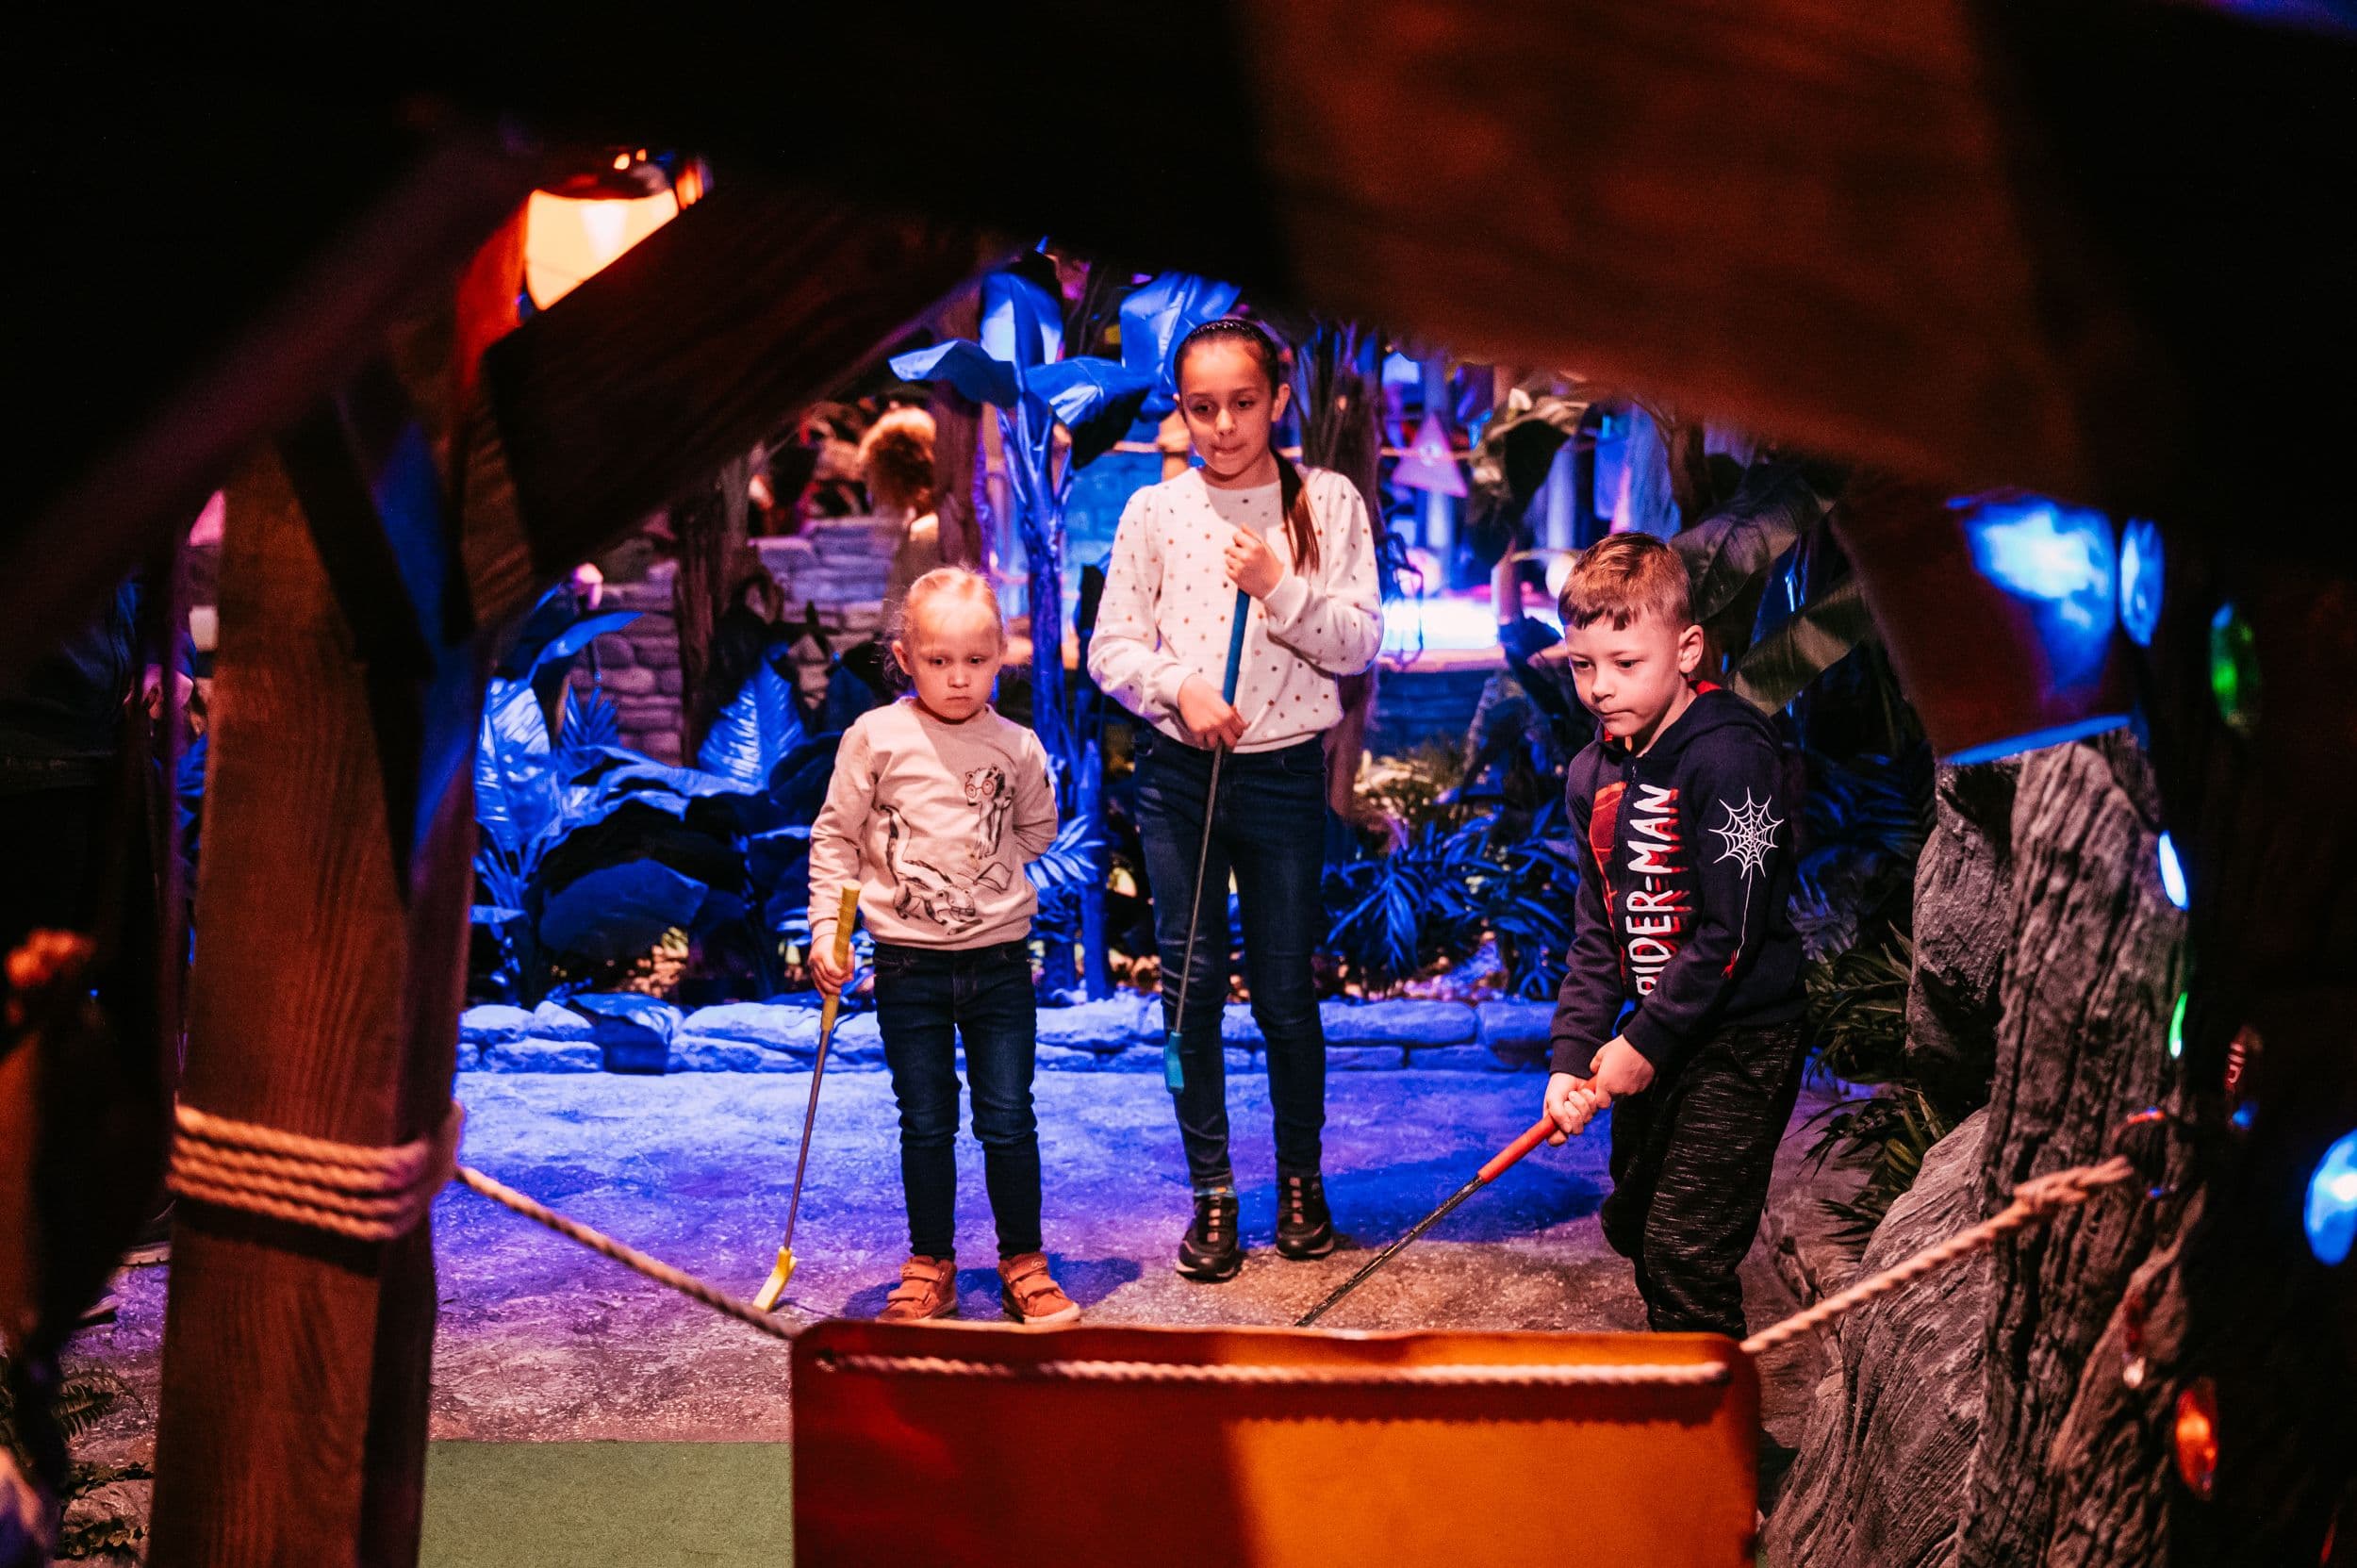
[832,971]
[1219,727]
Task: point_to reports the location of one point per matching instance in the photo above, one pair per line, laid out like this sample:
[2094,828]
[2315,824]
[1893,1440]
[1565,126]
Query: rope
[2040,1198]
[368,1193]
[629,1257]
[1633,1374]
[376,1194]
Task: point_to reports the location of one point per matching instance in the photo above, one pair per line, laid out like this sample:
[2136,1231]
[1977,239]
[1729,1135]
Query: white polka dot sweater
[1168,606]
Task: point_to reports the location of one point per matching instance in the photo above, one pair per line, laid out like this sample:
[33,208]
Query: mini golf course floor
[574,1401]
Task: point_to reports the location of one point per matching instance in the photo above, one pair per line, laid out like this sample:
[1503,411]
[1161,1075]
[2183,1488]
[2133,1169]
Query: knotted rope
[368,1193]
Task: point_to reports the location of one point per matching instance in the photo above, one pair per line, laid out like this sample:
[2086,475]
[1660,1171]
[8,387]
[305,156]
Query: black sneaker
[1304,1228]
[1209,1251]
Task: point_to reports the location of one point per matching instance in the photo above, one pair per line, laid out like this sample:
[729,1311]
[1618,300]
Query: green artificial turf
[580,1505]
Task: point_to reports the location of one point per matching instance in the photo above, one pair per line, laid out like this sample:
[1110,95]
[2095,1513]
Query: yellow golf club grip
[849,913]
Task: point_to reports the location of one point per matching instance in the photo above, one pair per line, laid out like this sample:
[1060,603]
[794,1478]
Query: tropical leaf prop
[1825,630]
[1073,860]
[619,912]
[580,635]
[1728,553]
[753,733]
[1510,461]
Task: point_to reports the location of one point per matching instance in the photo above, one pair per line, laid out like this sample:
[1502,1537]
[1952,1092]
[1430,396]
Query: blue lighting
[2332,1216]
[2172,872]
[2058,735]
[2059,561]
[2140,580]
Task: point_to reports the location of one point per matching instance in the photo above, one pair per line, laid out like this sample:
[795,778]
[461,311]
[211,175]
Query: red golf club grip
[1540,1132]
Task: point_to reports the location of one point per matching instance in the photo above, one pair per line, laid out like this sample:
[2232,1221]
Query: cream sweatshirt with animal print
[934,821]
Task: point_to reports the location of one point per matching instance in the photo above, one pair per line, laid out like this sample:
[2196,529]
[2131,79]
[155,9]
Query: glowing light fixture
[2001,613]
[569,239]
[2331,1219]
[2058,560]
[576,228]
[2235,670]
[2172,872]
[2177,1027]
[2196,1437]
[2140,581]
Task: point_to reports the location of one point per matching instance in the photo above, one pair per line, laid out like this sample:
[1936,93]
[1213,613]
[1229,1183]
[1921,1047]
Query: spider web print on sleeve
[1749,832]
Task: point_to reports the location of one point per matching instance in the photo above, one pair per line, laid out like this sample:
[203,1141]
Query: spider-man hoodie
[1684,871]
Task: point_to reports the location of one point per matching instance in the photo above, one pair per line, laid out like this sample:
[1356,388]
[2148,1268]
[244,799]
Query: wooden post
[959,496]
[333,900]
[709,524]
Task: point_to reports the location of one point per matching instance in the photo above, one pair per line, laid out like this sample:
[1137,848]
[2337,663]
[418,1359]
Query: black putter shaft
[1539,1133]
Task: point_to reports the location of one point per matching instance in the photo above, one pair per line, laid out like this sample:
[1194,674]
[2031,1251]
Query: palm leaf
[592,721]
[1819,635]
[753,733]
[578,635]
[514,790]
[1728,553]
[1075,860]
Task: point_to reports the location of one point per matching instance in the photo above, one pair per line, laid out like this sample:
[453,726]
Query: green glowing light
[2177,1027]
[2235,670]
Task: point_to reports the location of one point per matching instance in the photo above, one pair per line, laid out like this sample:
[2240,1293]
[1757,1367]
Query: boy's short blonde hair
[948,586]
[896,457]
[1622,576]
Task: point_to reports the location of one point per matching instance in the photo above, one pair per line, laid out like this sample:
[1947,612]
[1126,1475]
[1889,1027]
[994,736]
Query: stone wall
[1432,702]
[839,565]
[1123,1033]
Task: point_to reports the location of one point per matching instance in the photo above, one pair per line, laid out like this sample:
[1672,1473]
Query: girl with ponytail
[1291,549]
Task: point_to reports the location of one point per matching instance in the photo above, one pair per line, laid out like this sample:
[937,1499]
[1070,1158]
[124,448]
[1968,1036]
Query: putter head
[1174,1073]
[773,1289]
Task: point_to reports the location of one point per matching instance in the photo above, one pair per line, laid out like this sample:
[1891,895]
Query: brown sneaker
[928,1288]
[1031,1295]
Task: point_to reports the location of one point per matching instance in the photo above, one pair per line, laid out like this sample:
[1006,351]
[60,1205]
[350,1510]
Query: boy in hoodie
[1681,1010]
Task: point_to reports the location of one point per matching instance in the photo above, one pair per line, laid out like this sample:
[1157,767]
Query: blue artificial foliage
[967,365]
[588,723]
[580,635]
[754,733]
[619,912]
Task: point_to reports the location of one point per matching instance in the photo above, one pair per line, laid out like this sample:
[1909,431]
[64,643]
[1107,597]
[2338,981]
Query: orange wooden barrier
[1065,1446]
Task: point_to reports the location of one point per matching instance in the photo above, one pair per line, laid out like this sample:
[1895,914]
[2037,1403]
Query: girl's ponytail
[1293,495]
[1301,523]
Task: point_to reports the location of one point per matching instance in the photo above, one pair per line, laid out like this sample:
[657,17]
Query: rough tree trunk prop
[1881,1466]
[709,524]
[1962,909]
[2042,868]
[1340,408]
[1880,1475]
[2091,972]
[2211,1280]
[959,491]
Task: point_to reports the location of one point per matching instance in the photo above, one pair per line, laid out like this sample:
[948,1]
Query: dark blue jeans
[1269,831]
[927,999]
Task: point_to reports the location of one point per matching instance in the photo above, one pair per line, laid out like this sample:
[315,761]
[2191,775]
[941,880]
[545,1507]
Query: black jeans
[1269,831]
[927,1000]
[1691,1161]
